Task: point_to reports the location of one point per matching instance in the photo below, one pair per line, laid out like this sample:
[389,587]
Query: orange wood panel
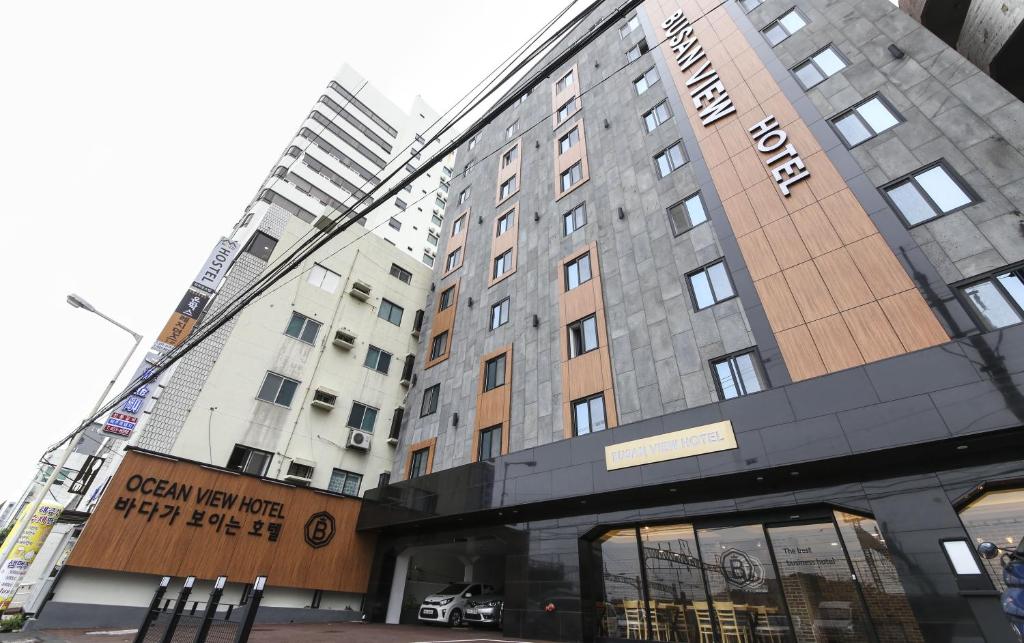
[785,242]
[835,343]
[559,98]
[493,407]
[507,241]
[575,154]
[779,305]
[444,321]
[879,266]
[916,330]
[809,292]
[508,171]
[429,443]
[757,252]
[843,280]
[457,240]
[848,219]
[872,332]
[741,214]
[800,353]
[815,230]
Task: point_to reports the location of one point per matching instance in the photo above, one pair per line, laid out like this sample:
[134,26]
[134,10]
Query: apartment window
[278,389]
[432,239]
[655,117]
[565,82]
[362,417]
[489,443]
[928,193]
[499,313]
[302,328]
[750,5]
[568,141]
[998,299]
[458,225]
[377,359]
[323,278]
[510,156]
[418,462]
[572,176]
[567,109]
[588,415]
[503,263]
[468,168]
[400,204]
[511,130]
[345,482]
[820,66]
[638,50]
[738,375]
[494,373]
[439,345]
[785,26]
[453,259]
[670,159]
[577,271]
[446,299]
[644,83]
[522,99]
[575,219]
[435,219]
[391,312]
[430,397]
[249,460]
[631,25]
[507,188]
[505,222]
[710,285]
[395,223]
[866,120]
[428,259]
[400,273]
[463,196]
[471,144]
[582,336]
[261,245]
[439,203]
[686,214]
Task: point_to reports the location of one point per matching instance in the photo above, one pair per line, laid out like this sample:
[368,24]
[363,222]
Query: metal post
[172,625]
[251,607]
[154,609]
[211,609]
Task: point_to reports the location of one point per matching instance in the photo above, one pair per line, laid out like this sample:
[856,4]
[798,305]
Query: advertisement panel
[25,551]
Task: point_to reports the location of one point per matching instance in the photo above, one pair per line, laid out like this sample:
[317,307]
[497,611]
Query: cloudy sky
[133,135]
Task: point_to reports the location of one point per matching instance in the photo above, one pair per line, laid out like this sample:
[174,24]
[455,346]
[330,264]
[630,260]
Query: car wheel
[455,618]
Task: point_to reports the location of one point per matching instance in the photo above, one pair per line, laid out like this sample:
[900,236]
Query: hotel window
[494,373]
[377,360]
[463,196]
[640,49]
[446,299]
[688,213]
[505,222]
[507,188]
[499,313]
[631,25]
[866,121]
[323,278]
[737,375]
[249,460]
[658,115]
[785,26]
[390,312]
[345,482]
[566,110]
[362,417]
[582,336]
[710,285]
[400,273]
[750,5]
[457,226]
[670,159]
[278,389]
[928,193]
[820,66]
[430,397]
[471,144]
[998,517]
[418,462]
[564,82]
[588,415]
[511,130]
[644,83]
[439,345]
[575,219]
[572,176]
[428,259]
[302,328]
[503,263]
[489,443]
[998,299]
[395,223]
[509,156]
[577,272]
[261,245]
[567,142]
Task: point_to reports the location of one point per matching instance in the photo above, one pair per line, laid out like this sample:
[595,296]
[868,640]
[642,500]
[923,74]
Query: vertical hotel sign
[24,552]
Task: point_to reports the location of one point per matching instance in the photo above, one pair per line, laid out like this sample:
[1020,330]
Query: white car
[449,604]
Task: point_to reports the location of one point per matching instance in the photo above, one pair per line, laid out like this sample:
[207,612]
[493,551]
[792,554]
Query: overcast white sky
[133,134]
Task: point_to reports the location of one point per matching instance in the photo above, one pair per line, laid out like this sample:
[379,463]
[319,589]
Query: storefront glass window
[997,517]
[674,581]
[619,610]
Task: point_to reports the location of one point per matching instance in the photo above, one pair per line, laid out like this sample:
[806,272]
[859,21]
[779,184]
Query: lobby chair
[733,627]
[636,628]
[704,625]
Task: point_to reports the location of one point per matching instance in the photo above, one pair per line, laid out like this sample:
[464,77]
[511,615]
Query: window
[657,116]
[494,373]
[453,259]
[866,120]
[503,263]
[738,375]
[505,222]
[362,417]
[710,285]
[395,223]
[418,463]
[522,99]
[323,278]
[575,219]
[572,176]
[297,470]
[644,83]
[377,359]
[670,159]
[566,110]
[400,273]
[511,130]
[577,271]
[463,196]
[468,168]
[277,389]
[750,5]
[430,397]
[439,345]
[446,299]
[302,328]
[785,26]
[471,144]
[632,24]
[400,204]
[928,193]
[249,460]
[639,50]
[345,482]
[510,156]
[686,214]
[567,142]
[439,203]
[507,188]
[997,516]
[261,245]
[588,415]
[820,66]
[428,259]
[457,226]
[432,239]
[489,443]
[998,299]
[564,82]
[582,336]
[391,312]
[435,219]
[499,313]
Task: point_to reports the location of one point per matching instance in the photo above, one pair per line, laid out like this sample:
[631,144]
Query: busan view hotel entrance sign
[670,446]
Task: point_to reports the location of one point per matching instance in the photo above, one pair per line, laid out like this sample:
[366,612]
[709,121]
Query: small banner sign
[671,446]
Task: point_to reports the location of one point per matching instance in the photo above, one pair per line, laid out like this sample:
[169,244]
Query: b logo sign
[741,569]
[319,529]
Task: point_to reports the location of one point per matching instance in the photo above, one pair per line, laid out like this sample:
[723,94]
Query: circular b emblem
[741,569]
[319,529]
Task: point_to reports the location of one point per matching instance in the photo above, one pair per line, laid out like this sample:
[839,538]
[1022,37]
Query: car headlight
[445,601]
[493,603]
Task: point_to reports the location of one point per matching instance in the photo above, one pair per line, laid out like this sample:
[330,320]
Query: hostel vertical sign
[24,552]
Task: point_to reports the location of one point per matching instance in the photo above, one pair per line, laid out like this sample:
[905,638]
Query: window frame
[682,203]
[444,345]
[380,352]
[633,23]
[458,225]
[664,152]
[451,262]
[582,348]
[302,331]
[249,452]
[642,47]
[571,215]
[393,306]
[480,442]
[503,308]
[990,276]
[704,269]
[643,77]
[347,475]
[402,275]
[569,173]
[575,262]
[852,110]
[505,262]
[785,30]
[509,218]
[746,9]
[327,272]
[431,394]
[759,371]
[568,137]
[394,223]
[508,187]
[587,400]
[258,234]
[277,393]
[810,61]
[561,85]
[464,195]
[910,177]
[511,130]
[414,457]
[571,102]
[488,385]
[658,123]
[510,155]
[362,416]
[443,302]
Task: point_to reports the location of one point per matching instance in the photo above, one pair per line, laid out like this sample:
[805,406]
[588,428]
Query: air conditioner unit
[360,290]
[300,472]
[430,251]
[344,340]
[358,440]
[324,398]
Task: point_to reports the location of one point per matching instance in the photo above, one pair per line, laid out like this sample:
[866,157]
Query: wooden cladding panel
[559,98]
[457,241]
[444,321]
[577,153]
[507,241]
[508,171]
[493,407]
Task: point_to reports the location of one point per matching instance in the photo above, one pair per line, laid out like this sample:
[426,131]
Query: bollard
[251,607]
[154,609]
[172,625]
[211,609]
